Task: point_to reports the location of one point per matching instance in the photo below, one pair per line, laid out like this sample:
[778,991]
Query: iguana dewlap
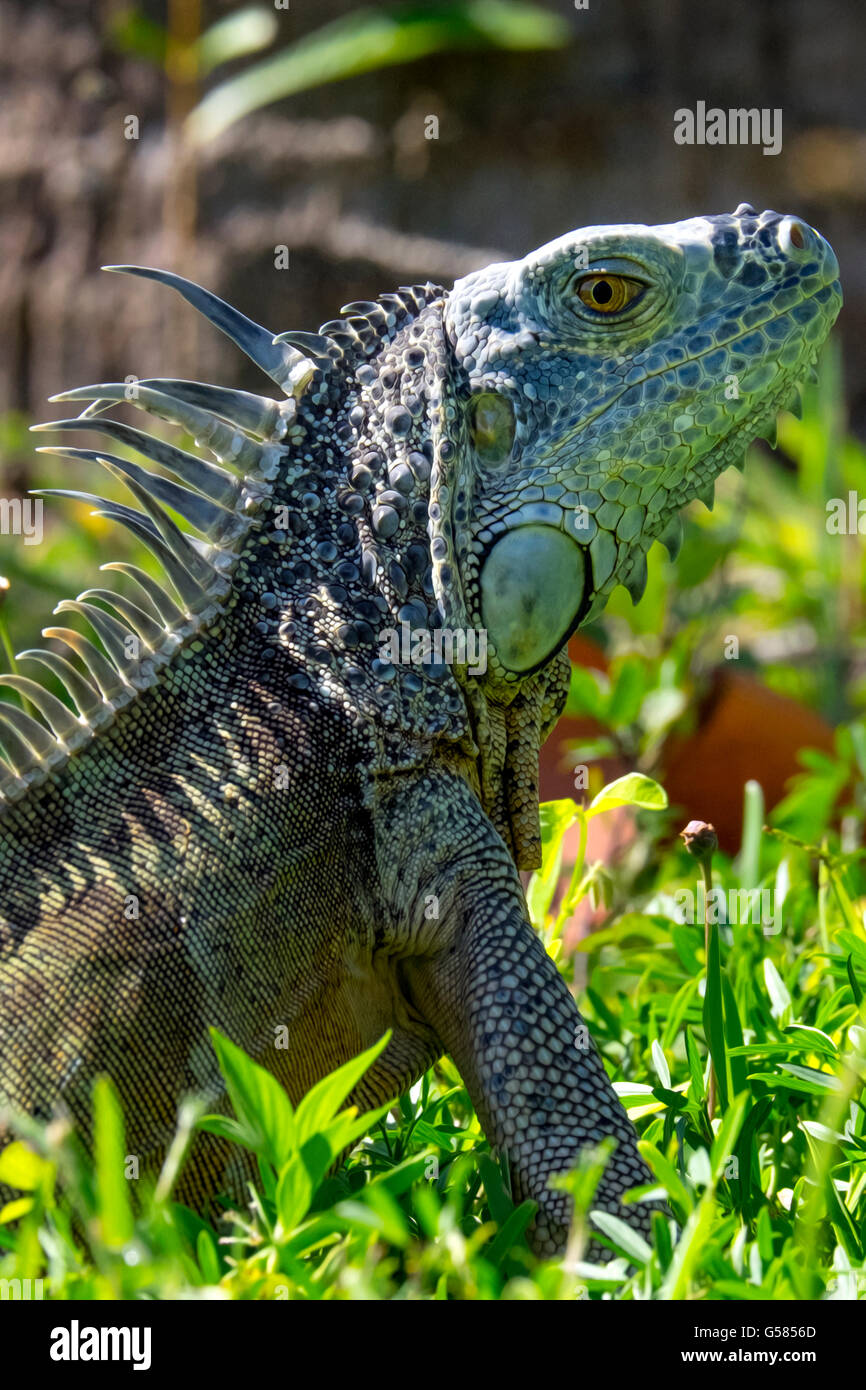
[280,797]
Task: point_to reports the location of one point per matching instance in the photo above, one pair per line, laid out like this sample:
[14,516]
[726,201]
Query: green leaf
[696,1069]
[634,789]
[225,1128]
[21,1167]
[361,1217]
[427,1208]
[838,1213]
[764,1232]
[780,999]
[686,941]
[661,1227]
[812,1038]
[624,1237]
[403,1176]
[749,858]
[321,1231]
[634,1092]
[208,1259]
[324,1147]
[294,1195]
[805,1079]
[14,1210]
[555,818]
[115,1210]
[854,944]
[187,1224]
[234,36]
[679,1007]
[821,1079]
[733,1038]
[130,31]
[822,1132]
[320,1105]
[749,1169]
[661,1064]
[852,980]
[511,1232]
[371,39]
[729,1130]
[713,1014]
[435,1136]
[393,1221]
[260,1103]
[689,1249]
[498,1200]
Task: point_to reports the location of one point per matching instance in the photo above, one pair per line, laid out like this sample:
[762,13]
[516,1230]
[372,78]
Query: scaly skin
[262,820]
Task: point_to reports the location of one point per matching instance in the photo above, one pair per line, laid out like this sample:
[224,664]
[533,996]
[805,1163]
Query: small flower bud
[700,839]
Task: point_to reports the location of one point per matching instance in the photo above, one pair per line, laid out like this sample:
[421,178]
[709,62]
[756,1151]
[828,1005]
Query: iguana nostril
[796,235]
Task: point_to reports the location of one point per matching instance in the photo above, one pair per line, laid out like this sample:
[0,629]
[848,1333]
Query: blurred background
[381,145]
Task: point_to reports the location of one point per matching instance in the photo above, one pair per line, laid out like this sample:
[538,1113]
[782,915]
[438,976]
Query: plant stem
[707,874]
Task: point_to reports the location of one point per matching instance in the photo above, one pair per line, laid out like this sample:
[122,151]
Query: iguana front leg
[481,978]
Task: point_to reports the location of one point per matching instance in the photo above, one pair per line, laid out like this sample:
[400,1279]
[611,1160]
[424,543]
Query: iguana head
[608,378]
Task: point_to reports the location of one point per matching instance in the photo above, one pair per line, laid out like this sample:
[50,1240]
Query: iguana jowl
[250,814]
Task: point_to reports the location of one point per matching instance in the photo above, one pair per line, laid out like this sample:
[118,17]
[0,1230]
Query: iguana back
[290,797]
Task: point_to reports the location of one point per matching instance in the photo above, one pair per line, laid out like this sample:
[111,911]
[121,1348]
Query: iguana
[282,799]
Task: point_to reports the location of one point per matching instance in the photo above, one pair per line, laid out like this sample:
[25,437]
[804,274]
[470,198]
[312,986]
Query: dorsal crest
[248,439]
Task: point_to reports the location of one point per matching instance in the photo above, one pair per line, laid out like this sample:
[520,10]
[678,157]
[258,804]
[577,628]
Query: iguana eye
[607,294]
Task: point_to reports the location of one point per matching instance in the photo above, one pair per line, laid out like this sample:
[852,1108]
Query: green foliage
[557,817]
[367,40]
[371,39]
